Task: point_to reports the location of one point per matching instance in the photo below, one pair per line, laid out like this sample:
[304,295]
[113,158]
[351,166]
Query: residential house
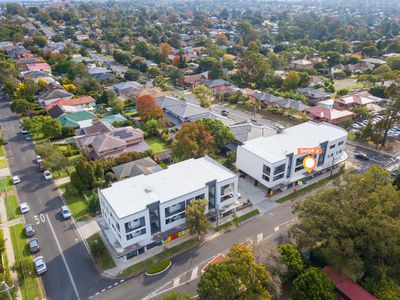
[386,56]
[193,80]
[34,67]
[313,95]
[143,166]
[153,92]
[374,61]
[362,98]
[301,65]
[100,73]
[86,103]
[113,143]
[216,84]
[276,101]
[276,163]
[330,115]
[77,119]
[148,211]
[128,89]
[52,93]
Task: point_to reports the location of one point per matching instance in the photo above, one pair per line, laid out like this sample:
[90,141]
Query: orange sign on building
[309,151]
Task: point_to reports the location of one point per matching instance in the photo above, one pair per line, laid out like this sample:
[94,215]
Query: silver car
[34,245]
[40,265]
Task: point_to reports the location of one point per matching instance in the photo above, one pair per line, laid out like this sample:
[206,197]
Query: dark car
[41,167]
[361,156]
[34,245]
[27,137]
[224,112]
[29,230]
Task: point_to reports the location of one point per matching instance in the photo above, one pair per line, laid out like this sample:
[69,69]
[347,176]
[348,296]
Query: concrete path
[61,181]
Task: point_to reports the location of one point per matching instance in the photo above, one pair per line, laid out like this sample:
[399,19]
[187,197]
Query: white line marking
[63,258]
[259,237]
[194,273]
[176,281]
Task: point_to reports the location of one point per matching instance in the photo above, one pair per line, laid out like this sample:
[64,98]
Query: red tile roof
[347,286]
[38,66]
[327,113]
[71,102]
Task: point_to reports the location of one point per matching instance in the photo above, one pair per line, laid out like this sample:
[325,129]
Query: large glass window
[211,195]
[278,177]
[227,192]
[175,209]
[279,169]
[135,224]
[266,170]
[175,218]
[135,234]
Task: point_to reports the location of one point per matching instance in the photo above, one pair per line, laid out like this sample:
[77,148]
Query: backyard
[157,145]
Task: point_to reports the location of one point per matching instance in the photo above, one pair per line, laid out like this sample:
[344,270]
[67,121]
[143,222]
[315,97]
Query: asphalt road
[71,272]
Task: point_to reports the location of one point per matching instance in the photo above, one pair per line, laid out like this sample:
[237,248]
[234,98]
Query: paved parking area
[256,194]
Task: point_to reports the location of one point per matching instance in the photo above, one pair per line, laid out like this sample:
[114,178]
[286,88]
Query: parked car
[39,159]
[65,212]
[16,179]
[34,245]
[27,137]
[29,230]
[361,156]
[41,167]
[24,130]
[40,265]
[224,112]
[23,207]
[47,175]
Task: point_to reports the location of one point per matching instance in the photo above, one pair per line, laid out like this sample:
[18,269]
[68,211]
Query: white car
[16,179]
[24,131]
[39,159]
[23,207]
[65,212]
[40,265]
[47,175]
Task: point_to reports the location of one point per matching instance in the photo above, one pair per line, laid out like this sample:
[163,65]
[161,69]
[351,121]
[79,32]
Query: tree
[21,106]
[221,133]
[253,68]
[382,70]
[237,277]
[23,267]
[291,82]
[107,96]
[393,63]
[369,209]
[313,285]
[291,257]
[147,108]
[51,128]
[370,51]
[196,220]
[165,50]
[117,105]
[176,296]
[161,82]
[151,127]
[132,75]
[56,161]
[203,93]
[193,140]
[40,41]
[83,178]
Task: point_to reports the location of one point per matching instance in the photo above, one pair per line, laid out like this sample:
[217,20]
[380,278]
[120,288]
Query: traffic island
[159,268]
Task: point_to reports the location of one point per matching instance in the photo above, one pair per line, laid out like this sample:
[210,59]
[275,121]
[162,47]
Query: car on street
[47,175]
[39,159]
[24,130]
[23,207]
[40,265]
[29,230]
[65,212]
[361,156]
[224,112]
[27,137]
[41,168]
[34,245]
[16,179]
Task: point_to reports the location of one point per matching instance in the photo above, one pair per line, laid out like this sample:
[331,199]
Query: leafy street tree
[21,107]
[193,140]
[196,219]
[51,128]
[291,257]
[237,277]
[147,108]
[313,285]
[221,133]
[369,209]
[204,94]
[291,81]
[176,296]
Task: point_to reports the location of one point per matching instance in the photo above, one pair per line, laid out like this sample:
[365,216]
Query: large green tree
[291,257]
[196,219]
[221,133]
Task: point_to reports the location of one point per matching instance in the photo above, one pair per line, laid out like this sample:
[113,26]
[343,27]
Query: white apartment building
[147,211]
[275,163]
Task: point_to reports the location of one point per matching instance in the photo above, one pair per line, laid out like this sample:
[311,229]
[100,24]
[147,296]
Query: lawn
[100,252]
[237,220]
[148,263]
[161,266]
[76,201]
[29,283]
[12,207]
[157,145]
[4,265]
[308,188]
[2,152]
[3,163]
[7,183]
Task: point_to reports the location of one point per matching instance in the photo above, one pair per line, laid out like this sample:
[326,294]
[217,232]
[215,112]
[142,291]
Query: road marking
[63,258]
[194,273]
[259,238]
[276,228]
[176,281]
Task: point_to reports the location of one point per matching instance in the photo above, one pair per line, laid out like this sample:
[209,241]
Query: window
[175,209]
[332,146]
[135,234]
[266,170]
[279,169]
[299,161]
[340,143]
[265,177]
[175,218]
[135,224]
[154,244]
[118,227]
[227,192]
[278,177]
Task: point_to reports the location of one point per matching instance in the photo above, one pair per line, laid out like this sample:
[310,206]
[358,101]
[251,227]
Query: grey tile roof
[141,166]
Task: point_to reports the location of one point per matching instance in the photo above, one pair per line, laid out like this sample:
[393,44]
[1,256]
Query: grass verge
[161,266]
[156,144]
[144,265]
[100,252]
[2,152]
[3,163]
[238,220]
[308,188]
[6,274]
[76,201]
[29,282]
[7,183]
[12,208]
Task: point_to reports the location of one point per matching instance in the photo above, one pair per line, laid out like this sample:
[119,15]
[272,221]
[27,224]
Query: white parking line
[194,273]
[176,281]
[259,238]
[63,258]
